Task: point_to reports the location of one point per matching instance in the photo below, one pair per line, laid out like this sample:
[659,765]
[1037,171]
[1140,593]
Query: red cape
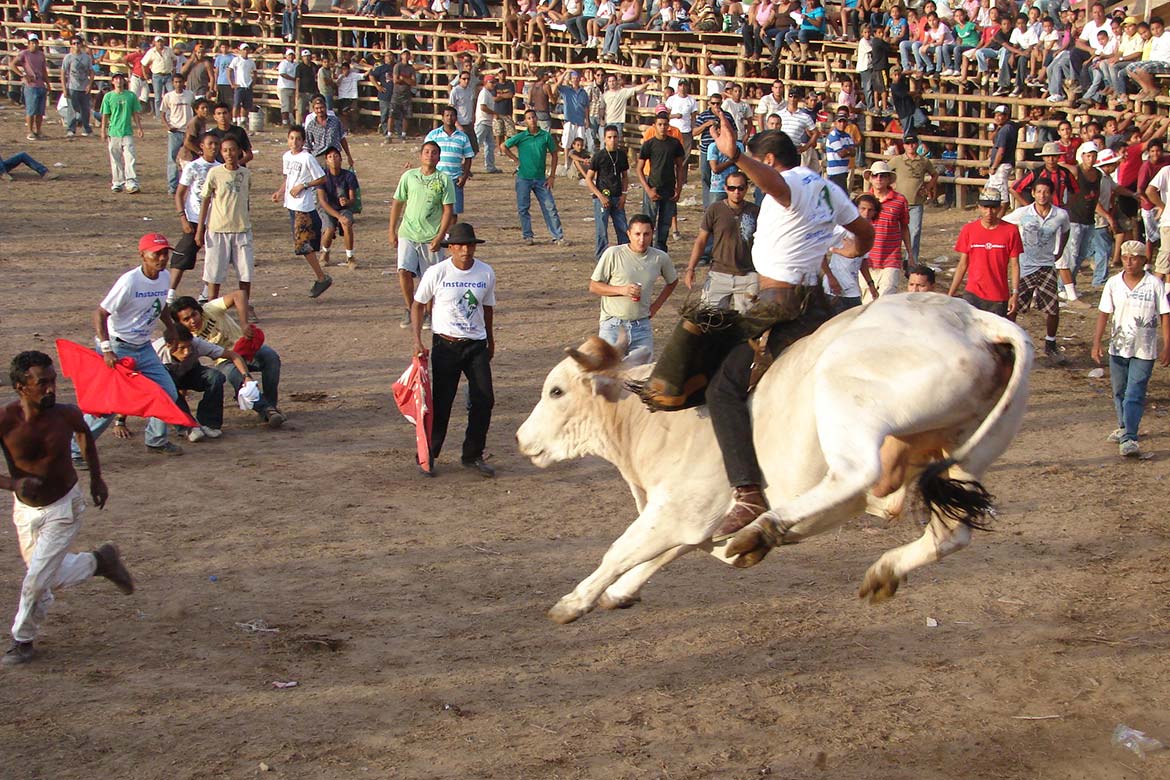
[102,390]
[412,393]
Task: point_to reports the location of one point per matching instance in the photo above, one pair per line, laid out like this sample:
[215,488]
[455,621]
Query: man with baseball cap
[891,234]
[464,293]
[1092,190]
[30,65]
[1056,174]
[286,86]
[124,323]
[1003,152]
[989,250]
[120,115]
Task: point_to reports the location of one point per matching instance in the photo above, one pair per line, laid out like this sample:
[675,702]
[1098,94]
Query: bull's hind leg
[624,592]
[956,504]
[659,529]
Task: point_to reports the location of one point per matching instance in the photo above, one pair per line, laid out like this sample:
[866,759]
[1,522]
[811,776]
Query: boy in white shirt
[302,174]
[1104,48]
[241,75]
[1135,301]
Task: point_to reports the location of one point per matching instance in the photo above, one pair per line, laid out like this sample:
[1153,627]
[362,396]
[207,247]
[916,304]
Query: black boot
[109,565]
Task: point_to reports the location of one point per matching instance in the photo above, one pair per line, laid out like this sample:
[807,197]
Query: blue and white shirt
[453,150]
[838,150]
[719,180]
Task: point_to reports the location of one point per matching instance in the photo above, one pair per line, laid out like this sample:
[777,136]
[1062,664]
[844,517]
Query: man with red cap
[124,323]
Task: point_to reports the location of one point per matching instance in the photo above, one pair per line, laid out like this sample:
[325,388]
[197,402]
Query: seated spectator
[179,352]
[212,322]
[1143,72]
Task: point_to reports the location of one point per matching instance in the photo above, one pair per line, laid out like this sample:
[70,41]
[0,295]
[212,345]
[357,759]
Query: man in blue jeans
[30,65]
[124,322]
[534,146]
[76,81]
[663,183]
[212,323]
[609,179]
[24,158]
[624,278]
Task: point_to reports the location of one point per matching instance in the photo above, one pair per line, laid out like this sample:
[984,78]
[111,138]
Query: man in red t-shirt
[989,254]
[891,232]
[1156,159]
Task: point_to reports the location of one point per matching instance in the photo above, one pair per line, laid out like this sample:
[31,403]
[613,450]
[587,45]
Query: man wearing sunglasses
[730,225]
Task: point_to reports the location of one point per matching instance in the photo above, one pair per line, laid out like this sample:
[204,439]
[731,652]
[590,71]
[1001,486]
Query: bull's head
[578,396]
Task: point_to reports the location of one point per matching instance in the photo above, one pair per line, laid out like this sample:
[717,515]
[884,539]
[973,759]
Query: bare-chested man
[35,434]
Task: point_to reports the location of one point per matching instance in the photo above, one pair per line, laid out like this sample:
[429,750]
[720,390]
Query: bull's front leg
[661,527]
[624,592]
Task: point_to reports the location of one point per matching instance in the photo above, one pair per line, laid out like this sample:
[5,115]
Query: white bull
[913,386]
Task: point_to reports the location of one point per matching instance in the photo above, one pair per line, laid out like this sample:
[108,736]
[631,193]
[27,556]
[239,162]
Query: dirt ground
[411,612]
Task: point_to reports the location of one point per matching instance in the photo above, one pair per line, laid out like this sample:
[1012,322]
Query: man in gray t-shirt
[76,80]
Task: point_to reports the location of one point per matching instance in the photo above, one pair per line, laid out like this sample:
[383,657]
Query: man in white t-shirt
[682,107]
[771,103]
[187,204]
[1158,193]
[463,292]
[302,175]
[241,74]
[176,112]
[1136,303]
[616,100]
[795,229]
[286,86]
[485,117]
[124,323]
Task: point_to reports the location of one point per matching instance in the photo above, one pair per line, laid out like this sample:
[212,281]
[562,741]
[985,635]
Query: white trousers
[45,534]
[122,161]
[886,280]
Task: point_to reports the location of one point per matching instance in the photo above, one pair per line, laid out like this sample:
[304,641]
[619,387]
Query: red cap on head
[153,242]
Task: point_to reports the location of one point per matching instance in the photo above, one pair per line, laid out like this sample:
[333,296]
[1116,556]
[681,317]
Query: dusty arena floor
[411,612]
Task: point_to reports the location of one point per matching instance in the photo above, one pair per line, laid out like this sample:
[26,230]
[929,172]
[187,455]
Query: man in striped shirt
[706,125]
[891,232]
[455,153]
[839,146]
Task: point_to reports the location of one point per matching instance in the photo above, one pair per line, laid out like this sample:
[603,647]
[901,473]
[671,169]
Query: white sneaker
[196,434]
[1115,437]
[1055,98]
[1130,449]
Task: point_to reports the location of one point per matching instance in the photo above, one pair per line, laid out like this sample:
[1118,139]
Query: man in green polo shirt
[534,146]
[425,202]
[120,110]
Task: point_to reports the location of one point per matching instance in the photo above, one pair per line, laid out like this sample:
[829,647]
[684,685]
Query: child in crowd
[302,175]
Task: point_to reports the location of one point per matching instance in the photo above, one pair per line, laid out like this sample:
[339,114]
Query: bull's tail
[999,334]
[966,501]
[963,501]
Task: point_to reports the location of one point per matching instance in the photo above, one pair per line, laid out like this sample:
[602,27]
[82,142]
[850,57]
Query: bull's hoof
[563,613]
[879,584]
[748,547]
[617,602]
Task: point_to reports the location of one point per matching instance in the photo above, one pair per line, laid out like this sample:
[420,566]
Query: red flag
[247,347]
[412,393]
[102,390]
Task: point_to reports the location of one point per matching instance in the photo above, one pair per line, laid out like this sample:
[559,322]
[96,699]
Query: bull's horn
[596,354]
[587,362]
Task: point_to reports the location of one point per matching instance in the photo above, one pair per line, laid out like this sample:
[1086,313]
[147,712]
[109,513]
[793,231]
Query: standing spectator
[1135,302]
[989,251]
[324,132]
[188,201]
[47,502]
[286,87]
[914,178]
[504,95]
[664,182]
[609,180]
[538,98]
[302,175]
[1156,160]
[425,202]
[223,85]
[176,113]
[920,279]
[839,151]
[242,75]
[844,267]
[199,71]
[347,93]
[463,99]
[730,225]
[34,73]
[120,110]
[382,78]
[157,66]
[326,82]
[800,126]
[336,201]
[76,81]
[210,321]
[575,101]
[534,146]
[624,278]
[738,110]
[773,102]
[193,133]
[1003,153]
[706,125]
[225,222]
[1044,230]
[1082,205]
[617,98]
[225,129]
[123,324]
[307,85]
[1058,177]
[593,82]
[455,153]
[683,107]
[463,292]
[405,77]
[485,116]
[719,166]
[891,232]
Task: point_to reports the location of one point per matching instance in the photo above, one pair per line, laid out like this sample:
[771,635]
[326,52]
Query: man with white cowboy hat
[1106,222]
[1062,181]
[891,233]
[463,342]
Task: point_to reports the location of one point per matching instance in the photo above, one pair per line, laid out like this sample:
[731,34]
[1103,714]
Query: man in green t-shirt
[534,145]
[425,202]
[120,110]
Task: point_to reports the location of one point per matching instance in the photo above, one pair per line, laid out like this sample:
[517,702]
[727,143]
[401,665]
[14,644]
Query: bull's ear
[638,357]
[607,387]
[596,354]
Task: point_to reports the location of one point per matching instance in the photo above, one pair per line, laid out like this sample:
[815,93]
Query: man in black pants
[464,293]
